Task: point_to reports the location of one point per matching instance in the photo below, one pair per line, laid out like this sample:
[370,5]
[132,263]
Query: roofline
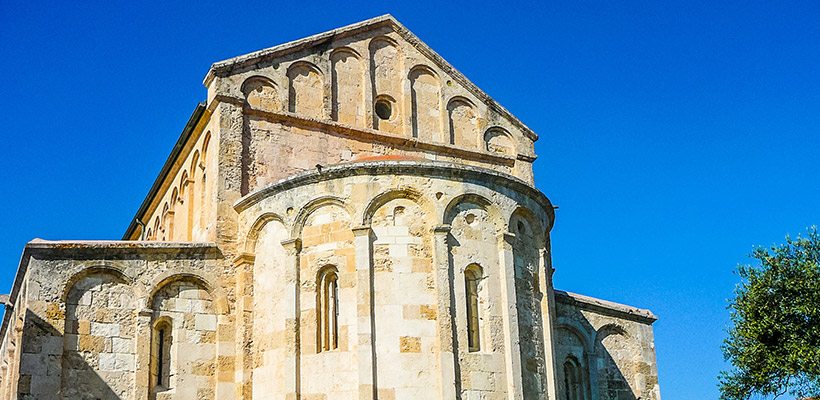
[593,304]
[224,67]
[41,247]
[427,168]
[199,111]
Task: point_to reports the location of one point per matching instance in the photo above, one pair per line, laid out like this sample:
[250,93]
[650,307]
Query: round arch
[492,210]
[313,205]
[219,296]
[402,193]
[253,232]
[118,272]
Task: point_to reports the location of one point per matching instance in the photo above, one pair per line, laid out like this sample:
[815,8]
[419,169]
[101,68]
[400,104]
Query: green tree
[774,341]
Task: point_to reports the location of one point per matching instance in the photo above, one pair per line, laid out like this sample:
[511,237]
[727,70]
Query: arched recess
[527,250]
[313,205]
[108,269]
[204,187]
[618,375]
[167,222]
[347,87]
[253,232]
[219,296]
[100,334]
[574,344]
[497,140]
[401,193]
[190,310]
[157,227]
[425,91]
[474,241]
[573,379]
[265,283]
[494,215]
[194,198]
[181,223]
[463,122]
[260,92]
[405,300]
[306,91]
[324,227]
[386,81]
[172,202]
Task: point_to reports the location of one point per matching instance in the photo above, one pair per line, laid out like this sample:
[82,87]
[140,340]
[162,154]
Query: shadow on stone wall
[44,358]
[603,379]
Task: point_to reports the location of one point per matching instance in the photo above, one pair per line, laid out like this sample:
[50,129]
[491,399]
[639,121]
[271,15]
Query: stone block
[409,344]
[205,322]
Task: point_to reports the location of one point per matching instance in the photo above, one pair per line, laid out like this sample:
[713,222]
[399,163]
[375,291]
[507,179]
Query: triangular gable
[229,66]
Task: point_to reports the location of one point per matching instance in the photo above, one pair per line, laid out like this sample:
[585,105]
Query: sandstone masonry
[345,217]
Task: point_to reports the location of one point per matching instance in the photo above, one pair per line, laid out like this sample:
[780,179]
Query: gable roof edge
[224,66]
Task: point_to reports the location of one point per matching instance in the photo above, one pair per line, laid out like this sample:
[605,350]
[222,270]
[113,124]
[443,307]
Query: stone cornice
[605,307]
[372,135]
[432,169]
[114,249]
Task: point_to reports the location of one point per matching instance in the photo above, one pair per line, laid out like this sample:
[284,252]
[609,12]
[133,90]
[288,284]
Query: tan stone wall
[613,345]
[185,208]
[402,321]
[249,315]
[86,318]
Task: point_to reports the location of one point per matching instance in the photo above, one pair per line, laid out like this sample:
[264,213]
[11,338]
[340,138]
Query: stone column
[293,248]
[366,345]
[510,316]
[548,321]
[447,352]
[142,378]
[243,265]
[592,371]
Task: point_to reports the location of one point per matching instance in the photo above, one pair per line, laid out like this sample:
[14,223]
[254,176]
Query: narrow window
[161,356]
[328,309]
[572,380]
[472,277]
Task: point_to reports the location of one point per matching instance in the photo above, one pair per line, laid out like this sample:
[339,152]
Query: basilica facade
[346,216]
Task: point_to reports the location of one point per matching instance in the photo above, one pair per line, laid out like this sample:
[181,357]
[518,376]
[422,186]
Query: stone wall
[85,318]
[400,236]
[610,345]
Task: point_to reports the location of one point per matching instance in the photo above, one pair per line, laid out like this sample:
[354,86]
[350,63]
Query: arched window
[472,278]
[161,356]
[572,380]
[327,304]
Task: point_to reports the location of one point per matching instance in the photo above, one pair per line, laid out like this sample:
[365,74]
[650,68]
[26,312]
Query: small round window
[383,109]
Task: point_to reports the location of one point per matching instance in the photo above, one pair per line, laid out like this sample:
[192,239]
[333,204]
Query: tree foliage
[774,342]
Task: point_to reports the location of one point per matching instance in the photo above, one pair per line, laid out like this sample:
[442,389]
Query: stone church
[346,216]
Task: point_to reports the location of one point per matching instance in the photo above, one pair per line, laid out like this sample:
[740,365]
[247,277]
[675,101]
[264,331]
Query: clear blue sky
[675,136]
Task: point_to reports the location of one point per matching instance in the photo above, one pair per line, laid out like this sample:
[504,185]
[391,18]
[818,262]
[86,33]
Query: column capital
[508,237]
[292,245]
[442,229]
[362,230]
[244,259]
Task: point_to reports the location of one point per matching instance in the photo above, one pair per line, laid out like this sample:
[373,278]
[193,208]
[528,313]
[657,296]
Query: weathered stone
[346,217]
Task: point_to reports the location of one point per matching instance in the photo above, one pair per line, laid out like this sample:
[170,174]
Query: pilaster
[366,344]
[510,316]
[142,378]
[243,265]
[293,248]
[444,278]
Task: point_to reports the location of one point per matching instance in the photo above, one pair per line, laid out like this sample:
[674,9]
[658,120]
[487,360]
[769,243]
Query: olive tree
[773,343]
